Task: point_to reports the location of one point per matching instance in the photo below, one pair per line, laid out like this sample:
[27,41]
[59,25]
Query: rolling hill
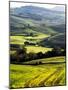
[32,21]
[20,25]
[34,60]
[55,41]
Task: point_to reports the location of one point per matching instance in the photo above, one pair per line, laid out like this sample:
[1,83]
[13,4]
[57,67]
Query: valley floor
[23,76]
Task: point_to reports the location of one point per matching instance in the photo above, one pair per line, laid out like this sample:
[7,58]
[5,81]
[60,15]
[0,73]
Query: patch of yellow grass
[37,49]
[17,39]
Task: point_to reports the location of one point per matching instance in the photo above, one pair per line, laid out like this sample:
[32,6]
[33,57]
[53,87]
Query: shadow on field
[39,63]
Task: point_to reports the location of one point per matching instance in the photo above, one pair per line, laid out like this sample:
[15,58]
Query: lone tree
[39,55]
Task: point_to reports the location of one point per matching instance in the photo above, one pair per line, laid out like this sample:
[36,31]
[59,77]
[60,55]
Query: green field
[38,75]
[21,39]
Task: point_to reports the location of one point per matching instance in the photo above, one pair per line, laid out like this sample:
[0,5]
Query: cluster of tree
[21,55]
[29,43]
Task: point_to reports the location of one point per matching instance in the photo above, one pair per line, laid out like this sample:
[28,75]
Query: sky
[19,4]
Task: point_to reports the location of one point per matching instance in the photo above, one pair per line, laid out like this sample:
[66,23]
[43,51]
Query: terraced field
[38,75]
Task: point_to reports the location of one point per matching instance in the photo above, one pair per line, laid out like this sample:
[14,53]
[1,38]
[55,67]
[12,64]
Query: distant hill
[39,13]
[59,8]
[36,10]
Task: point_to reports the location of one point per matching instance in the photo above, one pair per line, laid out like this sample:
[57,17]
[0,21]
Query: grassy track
[48,60]
[37,75]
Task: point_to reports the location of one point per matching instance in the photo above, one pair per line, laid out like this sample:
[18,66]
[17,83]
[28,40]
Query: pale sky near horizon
[19,4]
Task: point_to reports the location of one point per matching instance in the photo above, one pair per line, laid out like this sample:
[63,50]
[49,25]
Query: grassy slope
[56,40]
[39,75]
[58,37]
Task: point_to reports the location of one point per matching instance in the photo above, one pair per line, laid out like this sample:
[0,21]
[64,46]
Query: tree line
[21,55]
